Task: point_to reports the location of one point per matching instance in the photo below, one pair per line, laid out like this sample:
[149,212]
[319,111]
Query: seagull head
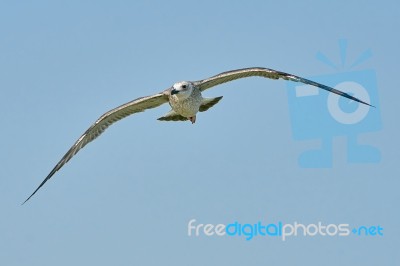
[182,89]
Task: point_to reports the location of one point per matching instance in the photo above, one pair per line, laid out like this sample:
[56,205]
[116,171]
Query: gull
[185,99]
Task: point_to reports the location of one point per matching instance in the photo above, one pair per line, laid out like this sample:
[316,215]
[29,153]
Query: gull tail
[172,116]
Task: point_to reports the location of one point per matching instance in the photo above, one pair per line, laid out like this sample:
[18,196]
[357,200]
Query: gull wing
[266,73]
[107,119]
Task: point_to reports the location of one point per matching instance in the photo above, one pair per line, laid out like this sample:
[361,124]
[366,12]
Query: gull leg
[192,119]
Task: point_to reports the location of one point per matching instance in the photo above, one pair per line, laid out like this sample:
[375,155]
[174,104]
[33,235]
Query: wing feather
[266,73]
[101,124]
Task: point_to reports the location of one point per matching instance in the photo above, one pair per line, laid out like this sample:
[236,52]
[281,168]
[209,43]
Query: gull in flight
[185,99]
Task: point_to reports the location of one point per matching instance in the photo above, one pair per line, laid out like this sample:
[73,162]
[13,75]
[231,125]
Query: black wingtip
[31,195]
[25,201]
[55,169]
[365,103]
[348,96]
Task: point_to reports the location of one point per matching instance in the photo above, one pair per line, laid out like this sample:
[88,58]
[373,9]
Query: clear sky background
[127,198]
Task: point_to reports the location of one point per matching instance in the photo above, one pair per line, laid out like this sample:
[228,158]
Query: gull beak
[174,91]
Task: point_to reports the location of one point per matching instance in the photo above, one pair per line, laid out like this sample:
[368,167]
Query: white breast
[189,106]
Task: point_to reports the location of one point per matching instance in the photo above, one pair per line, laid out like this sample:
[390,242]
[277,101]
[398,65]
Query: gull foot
[192,119]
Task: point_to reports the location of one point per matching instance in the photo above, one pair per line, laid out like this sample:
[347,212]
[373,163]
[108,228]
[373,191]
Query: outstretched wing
[112,116]
[266,73]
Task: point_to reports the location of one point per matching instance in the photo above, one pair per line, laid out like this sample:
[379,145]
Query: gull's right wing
[95,130]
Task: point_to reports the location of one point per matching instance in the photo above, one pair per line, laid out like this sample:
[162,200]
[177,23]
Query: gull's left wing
[112,116]
[266,73]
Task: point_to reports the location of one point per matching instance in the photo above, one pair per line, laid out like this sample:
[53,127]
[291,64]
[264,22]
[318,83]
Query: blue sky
[128,197]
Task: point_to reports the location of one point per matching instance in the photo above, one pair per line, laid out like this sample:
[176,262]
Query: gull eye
[184,86]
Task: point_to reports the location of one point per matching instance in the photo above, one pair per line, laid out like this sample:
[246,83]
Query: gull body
[185,99]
